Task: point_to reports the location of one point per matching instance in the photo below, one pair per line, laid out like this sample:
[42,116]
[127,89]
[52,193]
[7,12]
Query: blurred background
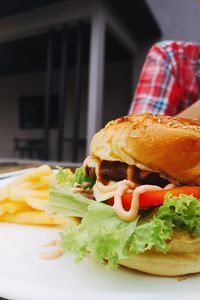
[67,67]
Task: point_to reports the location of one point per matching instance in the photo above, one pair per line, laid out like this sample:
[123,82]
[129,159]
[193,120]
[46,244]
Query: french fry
[25,200]
[2,211]
[41,183]
[39,172]
[18,180]
[13,207]
[33,218]
[21,195]
[38,204]
[35,174]
[3,193]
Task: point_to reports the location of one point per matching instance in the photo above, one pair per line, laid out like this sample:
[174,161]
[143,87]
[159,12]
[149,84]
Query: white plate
[24,276]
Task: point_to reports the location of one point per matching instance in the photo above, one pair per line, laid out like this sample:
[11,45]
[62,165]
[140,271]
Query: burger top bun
[168,145]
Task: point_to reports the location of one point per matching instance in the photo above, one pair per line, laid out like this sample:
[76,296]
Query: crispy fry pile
[24,200]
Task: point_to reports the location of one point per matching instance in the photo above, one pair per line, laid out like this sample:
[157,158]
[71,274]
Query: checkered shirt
[168,80]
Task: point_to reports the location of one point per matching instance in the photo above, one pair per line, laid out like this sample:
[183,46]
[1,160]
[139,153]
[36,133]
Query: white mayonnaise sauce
[133,211]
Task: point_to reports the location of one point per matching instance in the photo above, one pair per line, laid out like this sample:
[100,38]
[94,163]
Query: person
[169,82]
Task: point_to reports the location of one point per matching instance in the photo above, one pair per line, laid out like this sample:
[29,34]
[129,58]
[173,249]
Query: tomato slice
[156,198]
[126,201]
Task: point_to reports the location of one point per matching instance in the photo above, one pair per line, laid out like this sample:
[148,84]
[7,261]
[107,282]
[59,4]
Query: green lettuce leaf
[79,178]
[66,203]
[181,212]
[101,233]
[66,176]
[151,234]
[63,176]
[106,237]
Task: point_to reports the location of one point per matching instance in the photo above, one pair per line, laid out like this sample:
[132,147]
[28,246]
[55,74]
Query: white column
[96,76]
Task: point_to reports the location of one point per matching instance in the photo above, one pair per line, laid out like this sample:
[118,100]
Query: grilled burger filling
[116,180]
[117,171]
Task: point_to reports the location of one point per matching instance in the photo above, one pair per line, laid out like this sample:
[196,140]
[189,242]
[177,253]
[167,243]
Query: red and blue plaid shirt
[168,81]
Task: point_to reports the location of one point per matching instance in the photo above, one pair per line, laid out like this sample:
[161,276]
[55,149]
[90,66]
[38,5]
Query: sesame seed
[169,124]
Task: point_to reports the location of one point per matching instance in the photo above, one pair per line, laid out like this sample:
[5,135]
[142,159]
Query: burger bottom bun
[173,263]
[164,264]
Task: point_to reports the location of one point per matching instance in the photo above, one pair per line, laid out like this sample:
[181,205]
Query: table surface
[9,165]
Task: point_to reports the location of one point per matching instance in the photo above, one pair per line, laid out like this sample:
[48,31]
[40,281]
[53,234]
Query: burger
[137,196]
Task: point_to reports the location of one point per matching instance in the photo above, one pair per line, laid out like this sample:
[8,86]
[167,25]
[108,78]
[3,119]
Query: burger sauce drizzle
[120,188]
[133,211]
[92,160]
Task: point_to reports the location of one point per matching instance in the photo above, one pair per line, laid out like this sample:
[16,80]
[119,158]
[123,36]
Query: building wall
[179,20]
[116,102]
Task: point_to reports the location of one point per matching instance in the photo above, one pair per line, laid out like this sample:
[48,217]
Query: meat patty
[116,171]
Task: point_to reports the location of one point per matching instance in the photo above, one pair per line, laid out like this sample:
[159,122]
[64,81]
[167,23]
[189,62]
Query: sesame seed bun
[167,145]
